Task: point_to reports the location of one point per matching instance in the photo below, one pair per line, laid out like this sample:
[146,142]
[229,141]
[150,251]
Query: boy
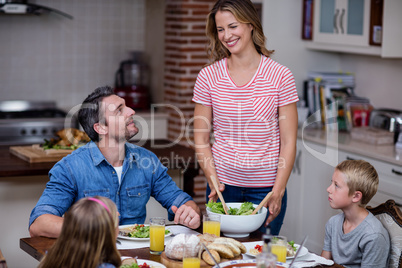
[355,238]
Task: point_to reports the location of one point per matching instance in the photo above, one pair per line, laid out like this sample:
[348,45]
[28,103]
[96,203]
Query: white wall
[378,79]
[50,57]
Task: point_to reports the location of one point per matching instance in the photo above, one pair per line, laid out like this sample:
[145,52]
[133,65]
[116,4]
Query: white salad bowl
[240,225]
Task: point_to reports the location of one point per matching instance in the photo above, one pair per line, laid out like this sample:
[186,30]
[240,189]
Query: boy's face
[338,191]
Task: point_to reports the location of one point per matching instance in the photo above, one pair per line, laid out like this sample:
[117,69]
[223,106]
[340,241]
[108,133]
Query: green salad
[245,209]
[141,231]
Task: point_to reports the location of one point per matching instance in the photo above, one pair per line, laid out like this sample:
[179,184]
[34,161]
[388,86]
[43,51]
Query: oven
[30,122]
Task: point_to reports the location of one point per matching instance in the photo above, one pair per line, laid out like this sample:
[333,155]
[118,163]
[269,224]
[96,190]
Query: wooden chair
[3,263]
[391,217]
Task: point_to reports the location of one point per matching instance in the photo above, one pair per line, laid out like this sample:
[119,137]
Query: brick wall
[185,55]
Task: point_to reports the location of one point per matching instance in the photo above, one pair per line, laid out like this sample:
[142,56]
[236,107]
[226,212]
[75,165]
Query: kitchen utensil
[215,184]
[298,250]
[262,203]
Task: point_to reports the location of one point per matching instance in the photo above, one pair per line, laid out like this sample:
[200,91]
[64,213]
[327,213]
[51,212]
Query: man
[110,166]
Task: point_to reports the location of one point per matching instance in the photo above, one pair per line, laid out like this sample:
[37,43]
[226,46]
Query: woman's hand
[213,196]
[274,204]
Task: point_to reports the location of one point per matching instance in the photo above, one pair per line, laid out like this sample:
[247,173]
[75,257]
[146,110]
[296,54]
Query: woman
[88,236]
[251,102]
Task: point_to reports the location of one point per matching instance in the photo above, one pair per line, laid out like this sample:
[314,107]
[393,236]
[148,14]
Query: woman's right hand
[213,196]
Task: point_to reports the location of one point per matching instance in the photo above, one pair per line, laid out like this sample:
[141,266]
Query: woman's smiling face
[234,35]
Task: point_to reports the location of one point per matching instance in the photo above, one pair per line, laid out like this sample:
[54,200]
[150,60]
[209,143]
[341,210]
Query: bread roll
[174,248]
[208,259]
[236,251]
[207,238]
[234,241]
[223,250]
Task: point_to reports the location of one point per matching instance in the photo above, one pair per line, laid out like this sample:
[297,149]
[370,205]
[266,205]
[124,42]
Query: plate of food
[245,264]
[253,248]
[137,232]
[129,262]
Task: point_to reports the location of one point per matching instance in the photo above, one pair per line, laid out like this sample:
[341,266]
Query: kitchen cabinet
[308,209]
[344,26]
[342,22]
[390,186]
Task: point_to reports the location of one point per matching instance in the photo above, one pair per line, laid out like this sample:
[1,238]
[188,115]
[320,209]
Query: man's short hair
[360,176]
[90,113]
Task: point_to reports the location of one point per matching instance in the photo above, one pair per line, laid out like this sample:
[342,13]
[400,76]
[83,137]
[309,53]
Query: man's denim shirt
[86,172]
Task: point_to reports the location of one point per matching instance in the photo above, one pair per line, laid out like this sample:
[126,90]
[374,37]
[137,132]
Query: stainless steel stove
[26,122]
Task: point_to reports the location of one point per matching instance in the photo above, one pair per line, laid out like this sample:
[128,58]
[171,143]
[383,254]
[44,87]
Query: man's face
[118,117]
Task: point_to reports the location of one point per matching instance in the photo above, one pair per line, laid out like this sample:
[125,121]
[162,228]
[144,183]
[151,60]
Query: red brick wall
[185,55]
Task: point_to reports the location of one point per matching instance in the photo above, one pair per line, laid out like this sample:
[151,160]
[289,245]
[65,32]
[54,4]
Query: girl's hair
[244,12]
[360,176]
[87,238]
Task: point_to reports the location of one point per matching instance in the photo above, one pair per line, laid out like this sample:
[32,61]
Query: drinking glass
[157,235]
[211,224]
[265,260]
[190,255]
[278,247]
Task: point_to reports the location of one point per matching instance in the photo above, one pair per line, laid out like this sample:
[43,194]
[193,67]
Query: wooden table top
[37,246]
[11,165]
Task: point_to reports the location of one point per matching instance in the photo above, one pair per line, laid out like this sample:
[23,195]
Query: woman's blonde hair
[88,236]
[244,12]
[360,176]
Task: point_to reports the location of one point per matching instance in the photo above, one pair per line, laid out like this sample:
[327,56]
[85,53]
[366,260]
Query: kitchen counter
[174,156]
[344,142]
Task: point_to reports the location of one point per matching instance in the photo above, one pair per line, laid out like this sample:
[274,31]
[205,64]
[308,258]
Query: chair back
[3,263]
[391,217]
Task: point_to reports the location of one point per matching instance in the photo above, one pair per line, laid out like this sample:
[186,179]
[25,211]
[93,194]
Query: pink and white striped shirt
[245,120]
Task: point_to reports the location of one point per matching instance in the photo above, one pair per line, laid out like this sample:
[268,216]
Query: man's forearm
[46,225]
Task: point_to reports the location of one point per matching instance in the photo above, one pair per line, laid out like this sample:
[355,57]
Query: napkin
[313,260]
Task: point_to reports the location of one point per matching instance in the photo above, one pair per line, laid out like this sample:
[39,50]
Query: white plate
[245,264]
[136,238]
[251,245]
[153,264]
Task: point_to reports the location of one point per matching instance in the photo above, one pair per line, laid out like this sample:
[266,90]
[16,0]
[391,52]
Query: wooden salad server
[215,184]
[262,203]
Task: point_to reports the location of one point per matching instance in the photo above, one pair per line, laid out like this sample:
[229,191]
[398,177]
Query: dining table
[38,246]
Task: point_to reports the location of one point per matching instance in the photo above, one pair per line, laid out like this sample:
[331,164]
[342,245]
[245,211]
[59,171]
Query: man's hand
[187,216]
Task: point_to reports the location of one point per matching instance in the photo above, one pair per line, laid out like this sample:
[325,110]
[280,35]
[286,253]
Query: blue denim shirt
[86,172]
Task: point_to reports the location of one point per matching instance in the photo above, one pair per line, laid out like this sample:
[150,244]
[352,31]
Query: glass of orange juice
[191,257]
[157,235]
[278,247]
[211,224]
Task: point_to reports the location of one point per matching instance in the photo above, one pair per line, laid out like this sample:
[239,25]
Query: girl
[88,236]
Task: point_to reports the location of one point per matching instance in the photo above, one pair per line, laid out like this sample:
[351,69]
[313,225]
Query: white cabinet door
[290,228]
[315,207]
[344,22]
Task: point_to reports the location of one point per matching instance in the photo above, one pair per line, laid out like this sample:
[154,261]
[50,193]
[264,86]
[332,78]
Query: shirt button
[139,194]
[118,193]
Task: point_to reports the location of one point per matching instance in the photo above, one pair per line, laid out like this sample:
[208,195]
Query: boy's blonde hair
[360,176]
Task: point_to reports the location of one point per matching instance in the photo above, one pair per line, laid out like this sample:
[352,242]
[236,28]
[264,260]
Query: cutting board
[170,263]
[36,154]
